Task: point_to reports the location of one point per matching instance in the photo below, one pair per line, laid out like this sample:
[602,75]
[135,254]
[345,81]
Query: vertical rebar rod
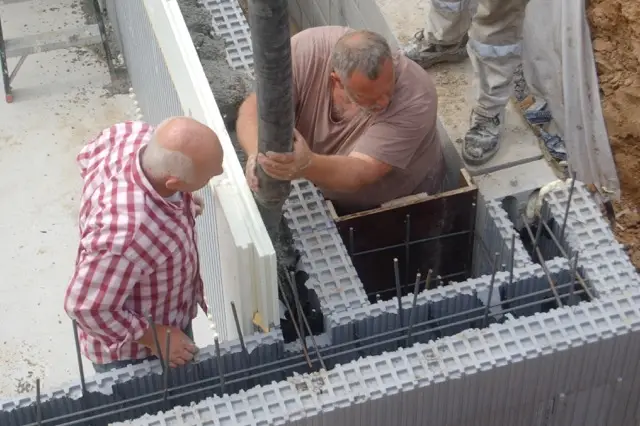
[536,240]
[38,403]
[8,95]
[413,315]
[216,342]
[574,272]
[543,264]
[351,240]
[167,357]
[156,341]
[512,257]
[234,311]
[83,383]
[396,272]
[491,284]
[296,298]
[291,278]
[407,247]
[566,211]
[305,353]
[105,40]
[563,252]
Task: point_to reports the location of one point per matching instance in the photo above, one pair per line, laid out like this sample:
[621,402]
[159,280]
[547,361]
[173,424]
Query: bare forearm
[336,173]
[247,125]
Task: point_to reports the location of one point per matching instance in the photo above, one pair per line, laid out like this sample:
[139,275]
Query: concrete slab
[515,180]
[59,104]
[454,83]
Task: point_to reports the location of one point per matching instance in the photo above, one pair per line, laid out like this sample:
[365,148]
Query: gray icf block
[323,253]
[555,365]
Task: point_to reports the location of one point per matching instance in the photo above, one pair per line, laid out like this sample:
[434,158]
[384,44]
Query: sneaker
[426,54]
[482,140]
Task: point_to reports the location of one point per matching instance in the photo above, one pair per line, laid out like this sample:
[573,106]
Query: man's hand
[250,173]
[287,166]
[181,349]
[199,203]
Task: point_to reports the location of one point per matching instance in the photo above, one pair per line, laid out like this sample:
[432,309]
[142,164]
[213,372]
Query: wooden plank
[440,230]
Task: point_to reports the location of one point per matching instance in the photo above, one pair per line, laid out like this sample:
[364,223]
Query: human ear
[173,183]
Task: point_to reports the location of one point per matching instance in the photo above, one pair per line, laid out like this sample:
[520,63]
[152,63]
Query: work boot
[482,140]
[427,54]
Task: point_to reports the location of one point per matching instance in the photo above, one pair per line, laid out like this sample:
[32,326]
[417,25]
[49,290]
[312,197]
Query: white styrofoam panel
[188,78]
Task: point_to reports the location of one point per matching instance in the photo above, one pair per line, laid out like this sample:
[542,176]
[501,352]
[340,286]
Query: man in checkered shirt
[137,256]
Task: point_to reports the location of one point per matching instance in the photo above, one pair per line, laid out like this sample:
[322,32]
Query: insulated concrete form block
[323,254]
[505,374]
[494,231]
[230,23]
[145,378]
[608,269]
[452,309]
[586,228]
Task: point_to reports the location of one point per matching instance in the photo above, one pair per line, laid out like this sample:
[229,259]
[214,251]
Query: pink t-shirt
[404,136]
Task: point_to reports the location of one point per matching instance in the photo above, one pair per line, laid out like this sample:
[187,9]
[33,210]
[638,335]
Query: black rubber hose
[271,41]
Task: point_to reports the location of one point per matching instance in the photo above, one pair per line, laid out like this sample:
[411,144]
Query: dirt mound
[616,42]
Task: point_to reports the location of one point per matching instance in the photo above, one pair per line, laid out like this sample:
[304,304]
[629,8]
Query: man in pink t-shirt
[365,121]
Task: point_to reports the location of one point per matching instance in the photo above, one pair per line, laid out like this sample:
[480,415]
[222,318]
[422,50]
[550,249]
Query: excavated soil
[616,41]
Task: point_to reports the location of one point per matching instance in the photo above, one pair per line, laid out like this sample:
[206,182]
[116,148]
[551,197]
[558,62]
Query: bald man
[137,265]
[365,119]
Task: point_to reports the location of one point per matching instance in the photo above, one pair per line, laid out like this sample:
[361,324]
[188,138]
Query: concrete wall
[358,14]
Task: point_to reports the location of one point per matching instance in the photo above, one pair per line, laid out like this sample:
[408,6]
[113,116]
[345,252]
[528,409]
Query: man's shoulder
[113,146]
[415,93]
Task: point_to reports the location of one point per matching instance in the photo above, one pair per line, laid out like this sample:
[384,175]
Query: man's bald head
[184,154]
[363,68]
[360,50]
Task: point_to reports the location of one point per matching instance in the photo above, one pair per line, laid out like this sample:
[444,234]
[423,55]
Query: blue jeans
[122,363]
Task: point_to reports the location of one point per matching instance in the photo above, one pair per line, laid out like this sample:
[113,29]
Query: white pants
[495,36]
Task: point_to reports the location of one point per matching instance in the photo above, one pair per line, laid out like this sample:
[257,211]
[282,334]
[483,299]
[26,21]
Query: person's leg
[494,49]
[446,34]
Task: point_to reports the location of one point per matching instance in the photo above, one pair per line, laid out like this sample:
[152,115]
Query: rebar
[563,252]
[115,408]
[413,314]
[412,243]
[303,343]
[544,265]
[566,211]
[234,311]
[167,358]
[296,298]
[496,259]
[574,272]
[536,240]
[396,273]
[219,363]
[156,341]
[83,383]
[512,255]
[434,283]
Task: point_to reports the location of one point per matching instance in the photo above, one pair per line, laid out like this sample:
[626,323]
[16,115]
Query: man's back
[137,253]
[403,136]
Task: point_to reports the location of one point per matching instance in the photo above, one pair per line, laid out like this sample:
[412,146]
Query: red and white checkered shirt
[137,253]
